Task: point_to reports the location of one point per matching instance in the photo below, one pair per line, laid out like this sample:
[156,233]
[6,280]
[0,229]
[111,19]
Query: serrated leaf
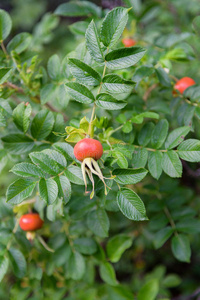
[171,164]
[20,42]
[58,128]
[159,134]
[107,273]
[162,236]
[176,136]
[66,149]
[44,162]
[140,157]
[121,159]
[116,84]
[21,116]
[48,93]
[27,170]
[53,67]
[108,102]
[131,205]
[77,9]
[85,245]
[127,127]
[5,24]
[155,164]
[129,176]
[74,175]
[138,119]
[18,262]
[124,57]
[3,266]
[56,157]
[79,92]
[93,43]
[83,72]
[76,266]
[145,134]
[98,222]
[149,290]
[113,25]
[20,190]
[4,73]
[117,245]
[189,150]
[64,188]
[42,124]
[48,190]
[18,143]
[163,77]
[181,247]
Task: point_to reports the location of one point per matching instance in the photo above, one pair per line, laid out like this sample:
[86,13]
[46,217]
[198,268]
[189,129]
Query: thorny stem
[99,90]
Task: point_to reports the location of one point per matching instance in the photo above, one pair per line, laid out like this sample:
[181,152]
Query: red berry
[183,84]
[128,42]
[88,148]
[30,222]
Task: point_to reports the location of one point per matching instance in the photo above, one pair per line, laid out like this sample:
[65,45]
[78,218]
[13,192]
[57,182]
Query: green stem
[171,221]
[4,49]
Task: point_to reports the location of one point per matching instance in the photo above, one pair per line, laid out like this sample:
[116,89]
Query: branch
[149,90]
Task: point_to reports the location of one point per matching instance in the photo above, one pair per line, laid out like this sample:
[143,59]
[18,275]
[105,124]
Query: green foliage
[139,206]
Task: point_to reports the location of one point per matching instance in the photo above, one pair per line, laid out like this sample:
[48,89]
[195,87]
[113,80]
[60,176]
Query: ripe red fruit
[30,222]
[182,84]
[128,42]
[88,148]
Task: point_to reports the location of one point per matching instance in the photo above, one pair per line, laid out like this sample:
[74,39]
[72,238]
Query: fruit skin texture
[30,222]
[128,42]
[183,84]
[88,148]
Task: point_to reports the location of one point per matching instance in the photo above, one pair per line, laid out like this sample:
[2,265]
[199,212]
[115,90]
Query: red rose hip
[88,148]
[30,222]
[128,42]
[182,84]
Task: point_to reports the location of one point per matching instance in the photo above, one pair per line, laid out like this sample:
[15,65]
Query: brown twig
[149,90]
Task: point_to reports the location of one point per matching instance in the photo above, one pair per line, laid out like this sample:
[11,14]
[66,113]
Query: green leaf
[98,222]
[149,290]
[140,157]
[76,266]
[85,245]
[113,25]
[155,164]
[176,136]
[181,247]
[57,157]
[108,102]
[145,134]
[27,170]
[64,188]
[171,280]
[116,84]
[42,124]
[20,190]
[4,73]
[48,93]
[120,159]
[58,127]
[20,42]
[18,143]
[83,72]
[189,150]
[107,273]
[48,190]
[131,205]
[74,175]
[2,120]
[79,27]
[44,162]
[53,67]
[18,262]
[66,149]
[78,9]
[93,43]
[138,119]
[5,107]
[193,93]
[196,25]
[3,267]
[124,57]
[162,236]
[159,134]
[5,24]
[21,116]
[163,77]
[129,176]
[79,92]
[171,164]
[117,245]
[127,127]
